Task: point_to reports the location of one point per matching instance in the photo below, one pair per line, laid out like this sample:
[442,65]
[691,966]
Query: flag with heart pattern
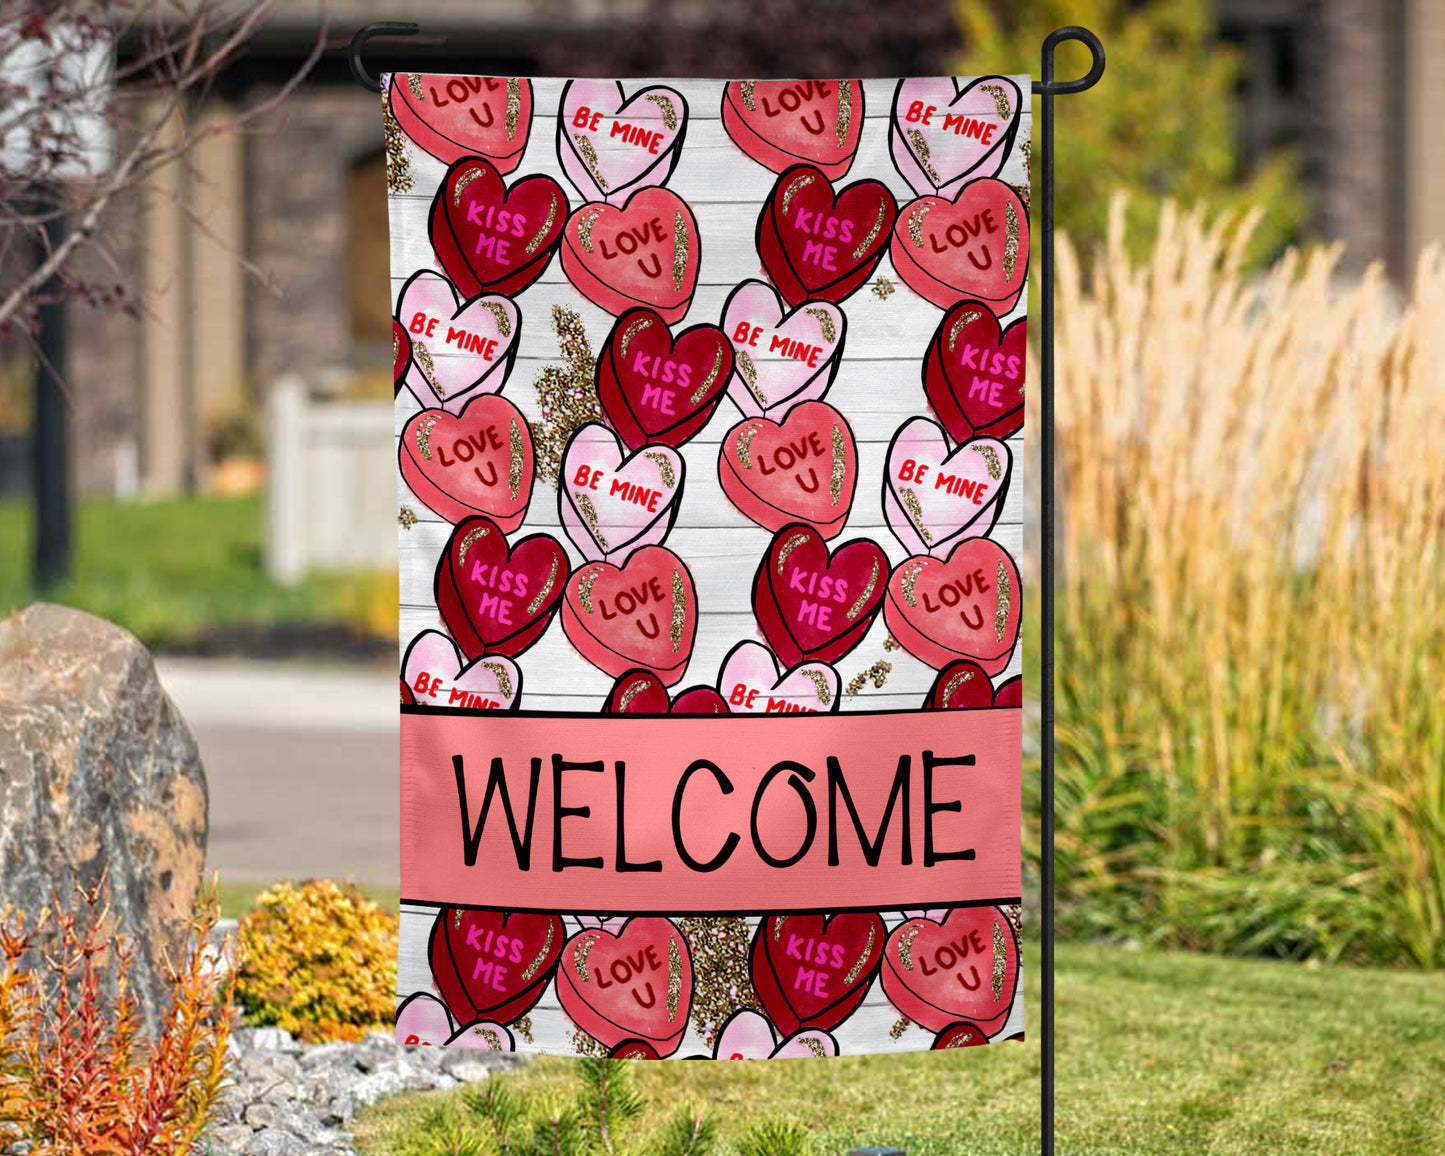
[709,401]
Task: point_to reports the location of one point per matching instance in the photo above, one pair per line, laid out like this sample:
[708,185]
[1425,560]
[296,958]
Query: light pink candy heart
[484,1035]
[611,145]
[611,924]
[751,683]
[423,1019]
[432,669]
[780,359]
[748,1036]
[457,350]
[933,495]
[936,151]
[612,504]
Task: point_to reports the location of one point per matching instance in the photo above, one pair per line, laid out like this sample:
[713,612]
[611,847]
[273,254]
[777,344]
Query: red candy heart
[644,253]
[812,971]
[634,1050]
[400,354]
[965,968]
[643,614]
[973,373]
[821,247]
[960,1035]
[633,986]
[495,599]
[453,117]
[490,238]
[478,462]
[493,964]
[803,469]
[964,607]
[960,686]
[656,389]
[641,692]
[975,246]
[813,608]
[1010,693]
[781,122]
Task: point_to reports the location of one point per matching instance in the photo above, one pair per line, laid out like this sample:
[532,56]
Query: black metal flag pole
[1046,88]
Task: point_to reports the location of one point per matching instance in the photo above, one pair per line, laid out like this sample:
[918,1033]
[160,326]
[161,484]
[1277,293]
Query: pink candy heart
[748,1036]
[933,494]
[612,504]
[458,350]
[752,684]
[781,359]
[432,670]
[941,135]
[611,144]
[423,1020]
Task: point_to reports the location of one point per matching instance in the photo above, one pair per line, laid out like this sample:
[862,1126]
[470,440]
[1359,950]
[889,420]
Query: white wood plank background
[877,388]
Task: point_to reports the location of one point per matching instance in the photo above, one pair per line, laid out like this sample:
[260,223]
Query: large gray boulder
[98,773]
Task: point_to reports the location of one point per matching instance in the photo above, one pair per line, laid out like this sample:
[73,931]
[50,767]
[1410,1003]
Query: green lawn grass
[236,898]
[168,569]
[1158,1053]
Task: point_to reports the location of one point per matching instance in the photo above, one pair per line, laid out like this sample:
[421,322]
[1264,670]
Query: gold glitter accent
[750,375]
[589,512]
[915,511]
[514,105]
[920,147]
[891,643]
[954,683]
[504,684]
[878,673]
[721,975]
[633,330]
[1000,614]
[497,310]
[862,959]
[589,155]
[523,1027]
[800,182]
[1023,191]
[825,323]
[514,464]
[857,607]
[958,326]
[669,114]
[915,224]
[883,288]
[679,250]
[630,693]
[535,243]
[840,462]
[1000,98]
[493,1040]
[585,1045]
[457,921]
[1011,241]
[873,232]
[531,969]
[428,370]
[814,1045]
[463,181]
[406,517]
[475,534]
[1000,960]
[679,609]
[778,928]
[399,179]
[567,395]
[711,377]
[960,1040]
[746,89]
[845,109]
[900,1025]
[907,581]
[664,467]
[789,546]
[744,445]
[395,346]
[536,603]
[581,952]
[584,587]
[584,227]
[905,946]
[413,82]
[423,434]
[990,455]
[674,978]
[819,680]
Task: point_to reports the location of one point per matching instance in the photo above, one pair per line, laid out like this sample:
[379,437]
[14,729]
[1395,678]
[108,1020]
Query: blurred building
[1349,83]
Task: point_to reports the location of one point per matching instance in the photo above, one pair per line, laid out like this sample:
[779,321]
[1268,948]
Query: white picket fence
[331,490]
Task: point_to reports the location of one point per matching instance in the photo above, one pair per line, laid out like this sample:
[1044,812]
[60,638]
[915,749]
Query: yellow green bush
[318,959]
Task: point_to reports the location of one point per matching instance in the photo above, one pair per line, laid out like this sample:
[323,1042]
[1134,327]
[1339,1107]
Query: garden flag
[709,412]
